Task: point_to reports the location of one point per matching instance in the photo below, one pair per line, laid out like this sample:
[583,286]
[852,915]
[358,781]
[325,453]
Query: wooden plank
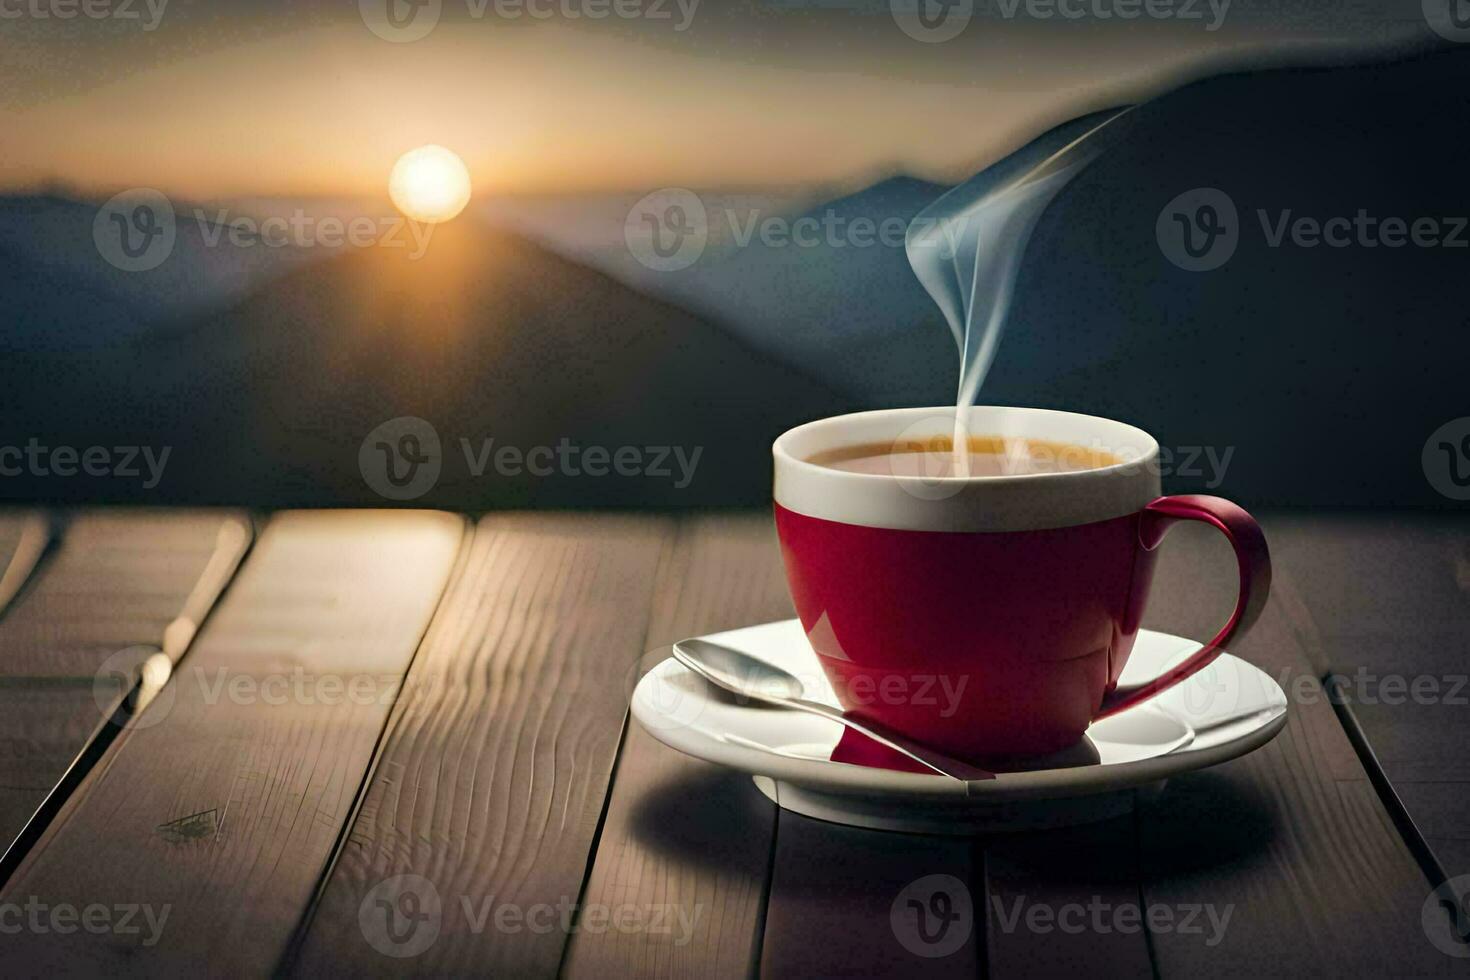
[17,804]
[847,902]
[1388,603]
[1291,841]
[681,835]
[1379,572]
[24,537]
[116,580]
[220,808]
[43,728]
[1066,902]
[473,840]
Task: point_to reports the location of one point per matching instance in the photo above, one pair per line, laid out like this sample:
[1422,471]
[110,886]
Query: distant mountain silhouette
[49,307]
[485,336]
[838,306]
[1322,369]
[589,229]
[849,305]
[1315,371]
[843,301]
[60,294]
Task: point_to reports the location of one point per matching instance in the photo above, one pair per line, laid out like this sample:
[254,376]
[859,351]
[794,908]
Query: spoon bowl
[751,677]
[737,672]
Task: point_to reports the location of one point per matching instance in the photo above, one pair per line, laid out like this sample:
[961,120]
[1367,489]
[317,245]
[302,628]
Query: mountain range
[1317,368]
[486,336]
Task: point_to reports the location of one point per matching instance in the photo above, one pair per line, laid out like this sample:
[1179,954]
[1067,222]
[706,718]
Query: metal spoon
[753,678]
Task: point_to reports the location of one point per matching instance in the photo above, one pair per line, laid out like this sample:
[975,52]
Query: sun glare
[429,184]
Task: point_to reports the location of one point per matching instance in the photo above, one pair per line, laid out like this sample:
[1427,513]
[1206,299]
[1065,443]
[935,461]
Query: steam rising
[966,250]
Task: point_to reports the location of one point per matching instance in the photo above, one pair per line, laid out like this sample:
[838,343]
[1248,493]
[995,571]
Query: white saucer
[1224,711]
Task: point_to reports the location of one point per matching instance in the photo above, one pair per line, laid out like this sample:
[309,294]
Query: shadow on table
[1205,820]
[702,818]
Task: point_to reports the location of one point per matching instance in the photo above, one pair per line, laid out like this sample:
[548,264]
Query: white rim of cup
[1006,502]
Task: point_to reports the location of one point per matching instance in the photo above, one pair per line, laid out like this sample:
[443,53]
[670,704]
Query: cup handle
[1251,555]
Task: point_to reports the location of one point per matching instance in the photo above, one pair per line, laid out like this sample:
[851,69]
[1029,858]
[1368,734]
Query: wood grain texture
[682,834]
[24,537]
[1386,598]
[847,902]
[1291,839]
[489,786]
[114,581]
[17,804]
[220,807]
[496,762]
[44,724]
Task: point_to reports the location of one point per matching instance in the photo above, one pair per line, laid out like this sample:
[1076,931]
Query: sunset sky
[285,98]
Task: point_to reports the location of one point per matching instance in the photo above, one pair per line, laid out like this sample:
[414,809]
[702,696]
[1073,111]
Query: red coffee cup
[987,616]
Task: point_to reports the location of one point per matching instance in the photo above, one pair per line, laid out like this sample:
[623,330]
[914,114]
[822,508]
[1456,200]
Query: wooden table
[398,742]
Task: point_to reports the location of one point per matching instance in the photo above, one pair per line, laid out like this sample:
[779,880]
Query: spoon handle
[942,764]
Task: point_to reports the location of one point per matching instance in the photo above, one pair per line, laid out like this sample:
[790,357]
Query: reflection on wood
[270,720]
[498,757]
[24,538]
[681,834]
[115,590]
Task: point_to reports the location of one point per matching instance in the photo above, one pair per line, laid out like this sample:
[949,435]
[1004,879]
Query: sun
[429,184]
